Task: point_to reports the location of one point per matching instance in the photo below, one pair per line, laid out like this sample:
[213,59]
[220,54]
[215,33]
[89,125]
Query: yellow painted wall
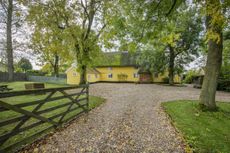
[73,77]
[177,78]
[93,77]
[115,71]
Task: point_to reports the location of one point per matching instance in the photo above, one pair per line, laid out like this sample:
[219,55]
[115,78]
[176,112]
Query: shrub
[190,77]
[122,77]
[223,85]
[166,79]
[36,73]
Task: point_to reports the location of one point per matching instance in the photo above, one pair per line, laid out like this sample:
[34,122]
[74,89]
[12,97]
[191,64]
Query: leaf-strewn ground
[131,120]
[93,102]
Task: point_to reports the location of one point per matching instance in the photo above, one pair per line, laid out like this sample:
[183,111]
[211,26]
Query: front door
[145,78]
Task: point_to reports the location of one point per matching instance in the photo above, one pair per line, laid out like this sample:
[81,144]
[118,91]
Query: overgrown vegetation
[204,131]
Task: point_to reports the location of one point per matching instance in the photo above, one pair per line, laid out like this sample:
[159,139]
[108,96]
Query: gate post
[87,96]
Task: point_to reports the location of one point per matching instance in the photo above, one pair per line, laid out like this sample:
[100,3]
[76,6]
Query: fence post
[87,96]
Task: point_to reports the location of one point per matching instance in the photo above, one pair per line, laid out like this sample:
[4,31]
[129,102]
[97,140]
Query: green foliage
[69,29]
[49,39]
[203,131]
[166,80]
[36,73]
[190,76]
[223,85]
[152,59]
[24,65]
[122,77]
[225,69]
[149,31]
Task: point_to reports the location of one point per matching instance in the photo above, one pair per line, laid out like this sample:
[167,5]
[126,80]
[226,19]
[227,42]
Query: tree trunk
[212,69]
[171,65]
[83,75]
[56,66]
[9,48]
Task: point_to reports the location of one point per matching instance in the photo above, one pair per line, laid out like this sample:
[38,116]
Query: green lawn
[93,102]
[20,85]
[205,132]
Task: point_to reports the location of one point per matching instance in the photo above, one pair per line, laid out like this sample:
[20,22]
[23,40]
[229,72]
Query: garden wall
[47,79]
[17,77]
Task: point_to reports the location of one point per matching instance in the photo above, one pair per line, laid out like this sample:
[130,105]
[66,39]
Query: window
[95,75]
[156,75]
[74,74]
[135,75]
[110,75]
[110,68]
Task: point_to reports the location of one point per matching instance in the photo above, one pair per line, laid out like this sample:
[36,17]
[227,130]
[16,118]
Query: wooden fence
[47,79]
[17,76]
[36,113]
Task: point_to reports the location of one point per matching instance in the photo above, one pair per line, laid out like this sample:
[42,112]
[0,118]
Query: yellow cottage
[126,71]
[73,76]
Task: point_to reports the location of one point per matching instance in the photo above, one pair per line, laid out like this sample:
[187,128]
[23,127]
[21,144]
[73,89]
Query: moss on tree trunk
[213,65]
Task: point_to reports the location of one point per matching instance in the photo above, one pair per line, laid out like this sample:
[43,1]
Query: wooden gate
[27,114]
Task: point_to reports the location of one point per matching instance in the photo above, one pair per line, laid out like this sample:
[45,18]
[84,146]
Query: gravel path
[130,121]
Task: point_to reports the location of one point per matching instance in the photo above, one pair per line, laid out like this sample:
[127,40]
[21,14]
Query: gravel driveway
[130,121]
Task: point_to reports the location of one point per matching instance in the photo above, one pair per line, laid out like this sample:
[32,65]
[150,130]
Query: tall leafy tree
[24,64]
[156,29]
[215,22]
[144,14]
[179,38]
[7,7]
[48,37]
[77,25]
[12,17]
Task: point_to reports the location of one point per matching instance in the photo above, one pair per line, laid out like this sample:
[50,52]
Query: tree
[10,22]
[216,12]
[75,25]
[215,21]
[7,6]
[90,13]
[24,64]
[225,69]
[48,37]
[153,30]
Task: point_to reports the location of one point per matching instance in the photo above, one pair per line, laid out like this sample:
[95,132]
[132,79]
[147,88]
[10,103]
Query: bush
[36,73]
[122,77]
[166,79]
[223,85]
[190,77]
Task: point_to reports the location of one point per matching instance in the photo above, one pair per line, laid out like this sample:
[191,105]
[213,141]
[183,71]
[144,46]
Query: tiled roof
[118,59]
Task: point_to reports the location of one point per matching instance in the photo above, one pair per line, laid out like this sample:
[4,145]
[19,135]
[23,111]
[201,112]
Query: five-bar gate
[27,114]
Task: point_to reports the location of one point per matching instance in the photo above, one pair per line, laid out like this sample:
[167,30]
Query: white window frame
[74,74]
[136,75]
[110,75]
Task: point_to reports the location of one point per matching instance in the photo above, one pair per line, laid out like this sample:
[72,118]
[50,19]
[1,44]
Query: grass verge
[20,85]
[205,132]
